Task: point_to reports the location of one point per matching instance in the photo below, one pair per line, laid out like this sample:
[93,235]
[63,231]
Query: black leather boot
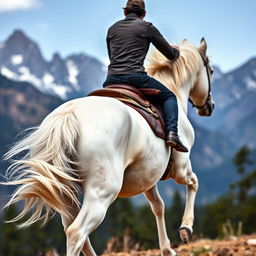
[173,141]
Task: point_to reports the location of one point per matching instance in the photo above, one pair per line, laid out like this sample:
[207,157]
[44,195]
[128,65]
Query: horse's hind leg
[157,206]
[87,248]
[89,218]
[99,194]
[67,221]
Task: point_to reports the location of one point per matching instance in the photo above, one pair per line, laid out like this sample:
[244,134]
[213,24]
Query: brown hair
[135,6]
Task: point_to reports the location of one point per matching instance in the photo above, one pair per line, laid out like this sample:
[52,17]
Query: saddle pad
[135,98]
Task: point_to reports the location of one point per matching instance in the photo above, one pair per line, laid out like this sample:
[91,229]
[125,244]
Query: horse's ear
[203,47]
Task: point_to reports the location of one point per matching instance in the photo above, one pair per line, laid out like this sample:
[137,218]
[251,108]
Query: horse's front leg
[186,229]
[188,177]
[157,206]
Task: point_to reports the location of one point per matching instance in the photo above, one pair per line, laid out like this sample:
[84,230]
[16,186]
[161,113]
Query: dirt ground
[235,246]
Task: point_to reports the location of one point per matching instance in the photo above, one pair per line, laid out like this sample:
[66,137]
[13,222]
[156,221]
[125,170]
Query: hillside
[21,106]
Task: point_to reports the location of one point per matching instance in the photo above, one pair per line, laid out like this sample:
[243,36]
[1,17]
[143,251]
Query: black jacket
[128,42]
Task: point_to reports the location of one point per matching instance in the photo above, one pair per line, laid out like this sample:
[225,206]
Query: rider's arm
[161,44]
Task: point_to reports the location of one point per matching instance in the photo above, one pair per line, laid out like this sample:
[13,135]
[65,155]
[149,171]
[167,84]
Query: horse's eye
[211,71]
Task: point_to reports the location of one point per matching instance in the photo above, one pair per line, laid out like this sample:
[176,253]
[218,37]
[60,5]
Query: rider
[128,42]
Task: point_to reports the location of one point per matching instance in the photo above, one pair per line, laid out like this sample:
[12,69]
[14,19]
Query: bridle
[209,104]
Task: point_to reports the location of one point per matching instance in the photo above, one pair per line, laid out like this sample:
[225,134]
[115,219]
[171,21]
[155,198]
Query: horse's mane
[174,74]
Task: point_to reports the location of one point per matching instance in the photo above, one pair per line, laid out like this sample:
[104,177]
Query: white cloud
[14,5]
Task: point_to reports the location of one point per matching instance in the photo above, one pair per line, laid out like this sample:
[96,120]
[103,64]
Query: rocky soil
[235,246]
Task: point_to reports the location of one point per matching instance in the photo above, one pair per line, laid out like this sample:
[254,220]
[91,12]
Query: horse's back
[102,118]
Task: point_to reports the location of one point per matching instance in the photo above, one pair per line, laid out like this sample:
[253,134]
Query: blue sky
[68,27]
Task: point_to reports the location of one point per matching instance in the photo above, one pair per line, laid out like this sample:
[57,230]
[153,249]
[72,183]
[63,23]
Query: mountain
[211,149]
[234,94]
[67,78]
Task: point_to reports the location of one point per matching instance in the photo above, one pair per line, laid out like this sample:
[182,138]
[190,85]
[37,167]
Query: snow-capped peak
[16,59]
[73,72]
[250,83]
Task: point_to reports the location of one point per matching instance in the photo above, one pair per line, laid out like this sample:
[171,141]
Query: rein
[208,70]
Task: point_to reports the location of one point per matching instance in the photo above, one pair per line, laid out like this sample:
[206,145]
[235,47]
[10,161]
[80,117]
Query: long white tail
[46,175]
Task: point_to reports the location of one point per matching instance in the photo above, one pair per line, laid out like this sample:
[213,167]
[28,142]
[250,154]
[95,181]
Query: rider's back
[128,42]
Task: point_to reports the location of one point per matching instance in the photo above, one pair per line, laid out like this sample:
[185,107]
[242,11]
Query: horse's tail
[46,175]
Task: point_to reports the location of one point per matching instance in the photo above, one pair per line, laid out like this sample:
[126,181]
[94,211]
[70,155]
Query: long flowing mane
[174,74]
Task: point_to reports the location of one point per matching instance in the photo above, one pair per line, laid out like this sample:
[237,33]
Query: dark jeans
[167,98]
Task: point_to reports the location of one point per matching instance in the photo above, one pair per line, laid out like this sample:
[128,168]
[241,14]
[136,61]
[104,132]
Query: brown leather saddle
[138,100]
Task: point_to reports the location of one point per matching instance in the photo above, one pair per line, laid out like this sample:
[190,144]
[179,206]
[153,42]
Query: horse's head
[200,93]
[188,77]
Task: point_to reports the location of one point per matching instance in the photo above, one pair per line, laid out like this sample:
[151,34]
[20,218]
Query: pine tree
[238,206]
[9,244]
[241,160]
[120,216]
[145,229]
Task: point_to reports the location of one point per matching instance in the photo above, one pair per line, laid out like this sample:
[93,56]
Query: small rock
[251,241]
[232,238]
[207,247]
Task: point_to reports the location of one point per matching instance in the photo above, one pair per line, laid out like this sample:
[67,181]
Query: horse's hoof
[185,234]
[168,252]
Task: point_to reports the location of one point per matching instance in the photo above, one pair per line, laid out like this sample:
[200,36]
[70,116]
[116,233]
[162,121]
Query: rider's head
[135,6]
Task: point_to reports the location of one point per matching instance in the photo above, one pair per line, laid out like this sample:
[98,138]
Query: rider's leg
[166,98]
[170,108]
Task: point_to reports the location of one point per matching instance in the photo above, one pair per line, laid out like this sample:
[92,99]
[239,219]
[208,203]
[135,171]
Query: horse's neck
[181,92]
[184,92]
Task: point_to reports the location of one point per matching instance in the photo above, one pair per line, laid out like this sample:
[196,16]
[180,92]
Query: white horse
[107,148]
